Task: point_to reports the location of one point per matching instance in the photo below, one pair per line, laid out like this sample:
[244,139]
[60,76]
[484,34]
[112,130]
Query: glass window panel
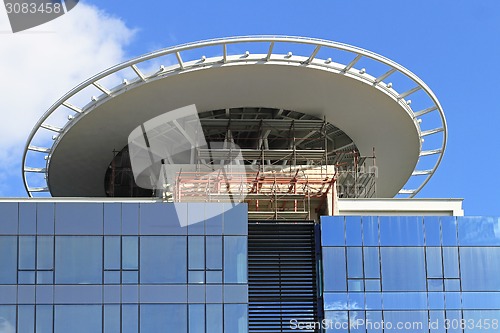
[454,318]
[334,269]
[452,284]
[111,318]
[112,277]
[405,301]
[8,318]
[214,318]
[25,319]
[355,285]
[435,284]
[196,218]
[335,301]
[164,318]
[401,230]
[370,231]
[235,259]
[403,269]
[130,250]
[452,300]
[432,231]
[196,252]
[477,271]
[214,252]
[112,218]
[130,318]
[481,300]
[357,320]
[478,230]
[356,300]
[373,321]
[436,300]
[353,235]
[130,218]
[235,318]
[482,320]
[214,219]
[45,252]
[373,301]
[338,321]
[112,252]
[354,262]
[436,322]
[434,263]
[371,262]
[449,230]
[44,319]
[196,277]
[78,318]
[235,218]
[197,318]
[214,276]
[412,321]
[45,218]
[332,231]
[8,260]
[163,219]
[45,277]
[130,277]
[27,252]
[79,218]
[26,277]
[27,218]
[450,260]
[8,218]
[159,254]
[372,285]
[78,260]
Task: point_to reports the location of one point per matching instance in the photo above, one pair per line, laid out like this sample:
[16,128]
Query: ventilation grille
[282,275]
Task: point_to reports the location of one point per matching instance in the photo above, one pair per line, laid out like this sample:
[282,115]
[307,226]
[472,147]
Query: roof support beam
[101,88]
[72,107]
[138,72]
[313,55]
[51,128]
[39,149]
[224,53]
[270,52]
[352,63]
[430,152]
[421,172]
[432,131]
[409,92]
[421,113]
[385,75]
[36,170]
[179,60]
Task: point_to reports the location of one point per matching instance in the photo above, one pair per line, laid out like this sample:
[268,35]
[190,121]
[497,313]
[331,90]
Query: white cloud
[40,65]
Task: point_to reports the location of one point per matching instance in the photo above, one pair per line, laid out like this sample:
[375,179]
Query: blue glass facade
[411,274]
[123,267]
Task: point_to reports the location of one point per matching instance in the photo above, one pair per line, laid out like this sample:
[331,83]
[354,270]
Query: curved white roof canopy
[368,110]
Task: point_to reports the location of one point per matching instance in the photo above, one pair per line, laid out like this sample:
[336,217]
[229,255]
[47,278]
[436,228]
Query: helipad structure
[286,91]
[244,185]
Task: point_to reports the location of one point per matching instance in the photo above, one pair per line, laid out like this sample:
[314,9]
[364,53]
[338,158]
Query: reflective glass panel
[8,260]
[479,231]
[401,231]
[164,318]
[449,230]
[353,231]
[78,318]
[111,318]
[334,269]
[45,252]
[79,218]
[370,231]
[477,271]
[332,231]
[371,262]
[78,260]
[44,314]
[214,318]
[432,231]
[112,252]
[214,252]
[434,263]
[8,318]
[354,262]
[130,252]
[196,252]
[27,252]
[450,260]
[235,318]
[403,269]
[163,259]
[197,318]
[235,259]
[130,318]
[25,320]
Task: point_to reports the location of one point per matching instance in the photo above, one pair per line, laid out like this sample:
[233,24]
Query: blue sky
[453,45]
